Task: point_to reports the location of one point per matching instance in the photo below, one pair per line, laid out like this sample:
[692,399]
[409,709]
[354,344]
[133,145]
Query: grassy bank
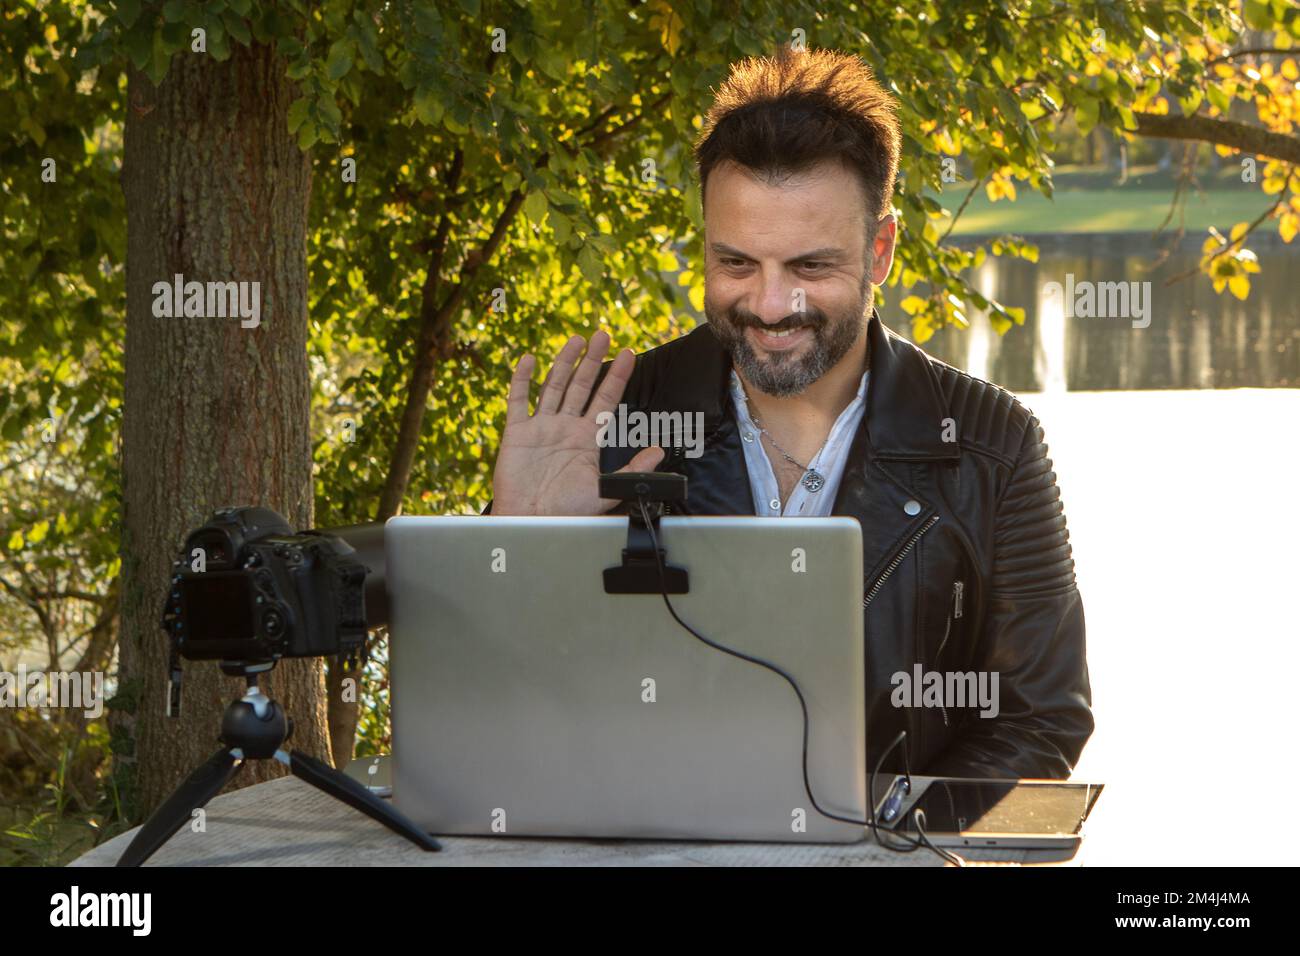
[1093,200]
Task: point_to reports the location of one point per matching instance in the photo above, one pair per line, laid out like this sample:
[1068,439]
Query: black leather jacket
[979,577]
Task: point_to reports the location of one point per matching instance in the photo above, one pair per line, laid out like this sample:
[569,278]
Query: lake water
[1196,338]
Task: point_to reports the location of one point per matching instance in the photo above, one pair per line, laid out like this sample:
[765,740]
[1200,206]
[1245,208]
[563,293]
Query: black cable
[912,845]
[803,706]
[918,821]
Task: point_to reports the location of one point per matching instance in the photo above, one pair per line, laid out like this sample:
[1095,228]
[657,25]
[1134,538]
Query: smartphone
[1024,814]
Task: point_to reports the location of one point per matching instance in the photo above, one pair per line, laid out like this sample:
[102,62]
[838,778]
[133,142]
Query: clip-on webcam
[640,571]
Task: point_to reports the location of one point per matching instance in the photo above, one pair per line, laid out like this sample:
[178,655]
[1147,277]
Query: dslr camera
[247,591]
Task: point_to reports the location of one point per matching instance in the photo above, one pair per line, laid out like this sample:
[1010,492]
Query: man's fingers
[576,396]
[611,388]
[647,459]
[558,378]
[517,397]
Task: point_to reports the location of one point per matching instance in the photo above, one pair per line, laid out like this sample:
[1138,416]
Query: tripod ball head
[255,725]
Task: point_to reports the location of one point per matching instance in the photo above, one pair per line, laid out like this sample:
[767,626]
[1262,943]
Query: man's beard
[782,373]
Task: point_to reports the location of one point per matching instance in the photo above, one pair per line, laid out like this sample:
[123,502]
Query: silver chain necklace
[812,479]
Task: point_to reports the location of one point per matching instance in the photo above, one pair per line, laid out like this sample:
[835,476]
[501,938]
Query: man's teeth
[781,335]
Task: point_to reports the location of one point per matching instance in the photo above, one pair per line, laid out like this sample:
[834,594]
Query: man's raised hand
[549,463]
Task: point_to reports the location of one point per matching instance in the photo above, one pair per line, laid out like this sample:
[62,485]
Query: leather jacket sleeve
[1033,638]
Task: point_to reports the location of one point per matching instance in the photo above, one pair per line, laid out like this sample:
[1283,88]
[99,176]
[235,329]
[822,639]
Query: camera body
[247,589]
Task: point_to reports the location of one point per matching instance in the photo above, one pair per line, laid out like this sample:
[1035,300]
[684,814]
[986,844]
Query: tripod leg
[199,787]
[342,787]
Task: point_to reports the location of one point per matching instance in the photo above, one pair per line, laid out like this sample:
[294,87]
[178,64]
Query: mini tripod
[254,728]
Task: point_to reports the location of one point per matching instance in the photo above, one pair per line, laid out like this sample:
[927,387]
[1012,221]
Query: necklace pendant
[813,481]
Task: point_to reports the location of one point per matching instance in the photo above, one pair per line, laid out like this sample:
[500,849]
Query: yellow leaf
[1288,227]
[1239,230]
[1239,286]
[1289,70]
[16,541]
[665,19]
[912,304]
[696,295]
[999,187]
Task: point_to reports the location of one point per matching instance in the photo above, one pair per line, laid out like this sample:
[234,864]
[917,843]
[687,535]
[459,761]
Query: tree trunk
[215,413]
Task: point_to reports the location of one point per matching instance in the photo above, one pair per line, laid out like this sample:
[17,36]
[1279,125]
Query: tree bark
[215,414]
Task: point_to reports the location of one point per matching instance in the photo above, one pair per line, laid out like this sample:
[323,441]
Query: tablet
[1023,814]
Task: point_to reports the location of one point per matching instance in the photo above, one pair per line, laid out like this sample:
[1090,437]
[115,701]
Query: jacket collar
[905,411]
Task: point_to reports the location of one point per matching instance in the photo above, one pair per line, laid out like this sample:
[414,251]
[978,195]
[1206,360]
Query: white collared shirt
[829,462]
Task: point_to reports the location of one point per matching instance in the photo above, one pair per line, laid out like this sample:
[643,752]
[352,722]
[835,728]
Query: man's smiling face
[765,242]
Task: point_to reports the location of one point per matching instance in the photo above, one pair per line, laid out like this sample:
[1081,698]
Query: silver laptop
[527,701]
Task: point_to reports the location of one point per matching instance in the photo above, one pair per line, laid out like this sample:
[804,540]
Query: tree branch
[1252,51]
[1241,136]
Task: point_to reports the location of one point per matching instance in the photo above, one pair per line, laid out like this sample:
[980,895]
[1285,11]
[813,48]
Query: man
[812,407]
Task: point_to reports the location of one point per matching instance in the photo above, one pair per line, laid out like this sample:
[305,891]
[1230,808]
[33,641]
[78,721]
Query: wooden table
[285,822]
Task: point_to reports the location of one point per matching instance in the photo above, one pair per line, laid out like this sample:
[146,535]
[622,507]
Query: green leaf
[561,225]
[128,11]
[218,44]
[1257,14]
[339,60]
[138,43]
[1086,115]
[298,113]
[428,107]
[330,112]
[691,204]
[1218,98]
[589,264]
[367,44]
[174,11]
[237,28]
[159,60]
[535,206]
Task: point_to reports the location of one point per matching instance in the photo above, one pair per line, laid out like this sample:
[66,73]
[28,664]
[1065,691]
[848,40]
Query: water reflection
[1196,339]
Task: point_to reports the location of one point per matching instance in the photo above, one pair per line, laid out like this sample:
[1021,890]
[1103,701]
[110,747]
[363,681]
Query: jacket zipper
[898,559]
[884,576]
[957,589]
[880,582]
